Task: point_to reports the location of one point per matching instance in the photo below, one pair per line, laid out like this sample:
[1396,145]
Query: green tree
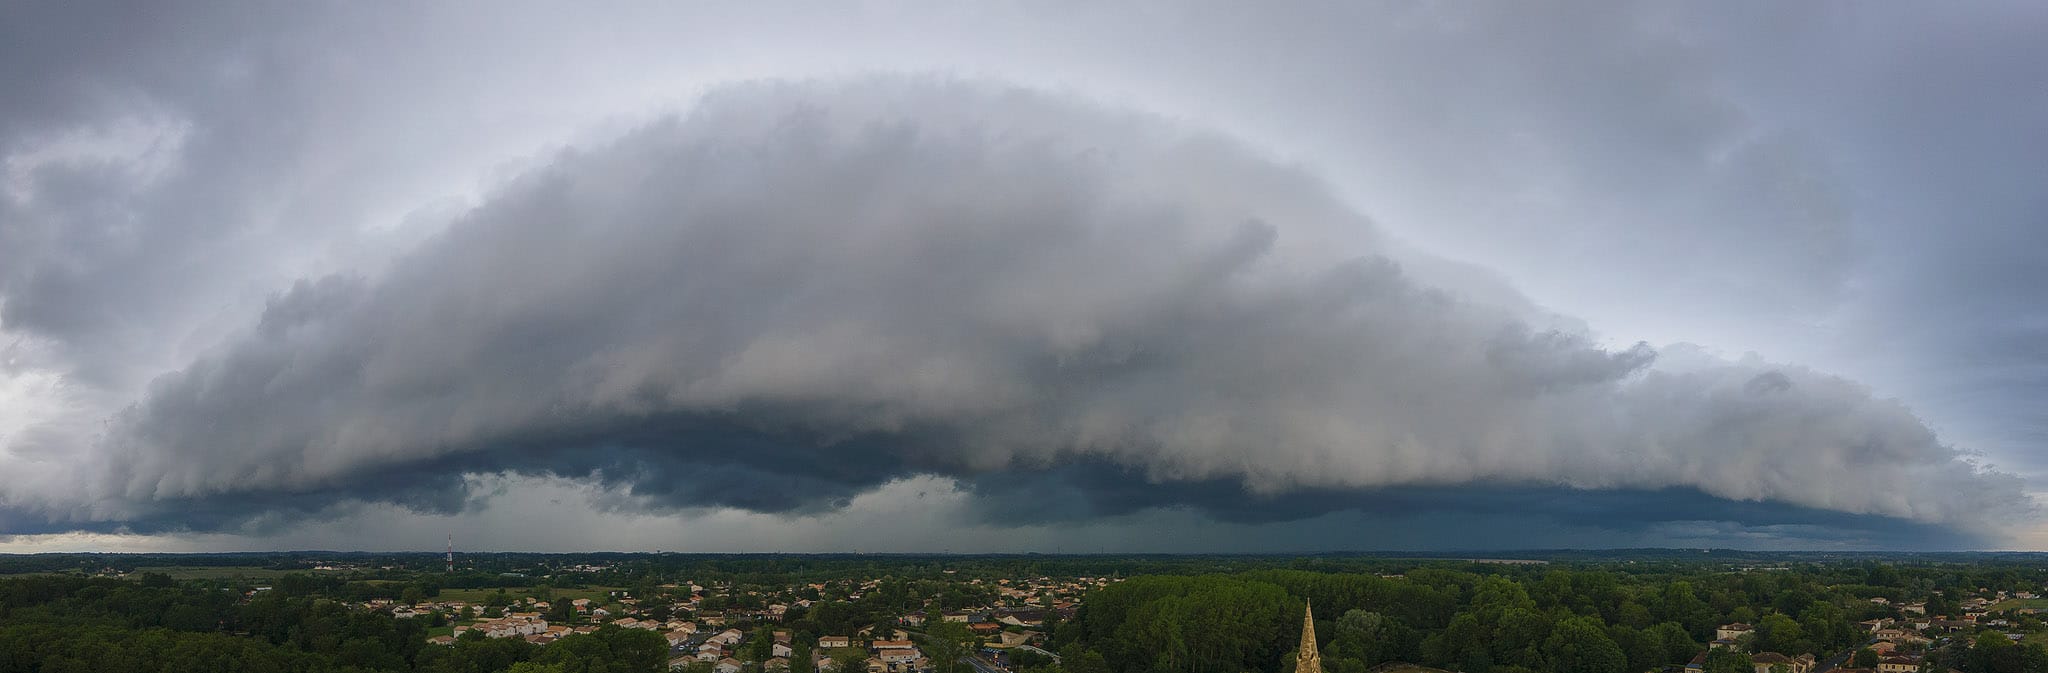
[1779,633]
[849,659]
[1991,652]
[1369,638]
[1678,645]
[1721,660]
[1078,660]
[1677,602]
[1866,657]
[530,667]
[1581,645]
[800,657]
[946,642]
[758,646]
[609,650]
[1518,638]
[1460,646]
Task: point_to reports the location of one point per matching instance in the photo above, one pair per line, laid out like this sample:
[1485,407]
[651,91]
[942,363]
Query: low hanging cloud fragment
[795,293]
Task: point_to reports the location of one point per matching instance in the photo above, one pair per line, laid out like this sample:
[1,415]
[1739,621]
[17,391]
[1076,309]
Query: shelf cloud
[792,293]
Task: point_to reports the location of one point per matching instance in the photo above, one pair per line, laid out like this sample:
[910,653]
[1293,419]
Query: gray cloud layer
[795,293]
[1853,188]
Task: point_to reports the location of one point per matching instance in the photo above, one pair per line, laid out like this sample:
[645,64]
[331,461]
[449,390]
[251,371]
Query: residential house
[1014,638]
[1898,665]
[834,642]
[1732,631]
[898,660]
[514,626]
[728,665]
[1026,619]
[1768,662]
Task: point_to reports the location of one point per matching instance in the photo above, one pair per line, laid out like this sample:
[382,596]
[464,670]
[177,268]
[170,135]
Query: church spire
[1307,659]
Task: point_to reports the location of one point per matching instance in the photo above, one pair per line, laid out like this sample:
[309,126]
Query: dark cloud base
[678,464]
[1085,492]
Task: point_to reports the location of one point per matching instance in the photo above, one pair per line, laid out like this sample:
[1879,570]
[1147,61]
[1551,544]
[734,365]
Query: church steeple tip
[1307,659]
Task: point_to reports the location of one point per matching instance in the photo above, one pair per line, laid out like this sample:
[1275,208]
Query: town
[705,635]
[1564,612]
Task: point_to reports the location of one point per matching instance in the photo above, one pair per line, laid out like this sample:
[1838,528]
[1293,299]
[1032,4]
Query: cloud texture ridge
[794,293]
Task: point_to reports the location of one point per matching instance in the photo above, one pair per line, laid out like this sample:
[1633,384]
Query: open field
[215,572]
[595,594]
[2020,603]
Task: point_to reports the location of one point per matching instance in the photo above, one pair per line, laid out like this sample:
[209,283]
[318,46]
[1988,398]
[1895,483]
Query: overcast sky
[1023,276]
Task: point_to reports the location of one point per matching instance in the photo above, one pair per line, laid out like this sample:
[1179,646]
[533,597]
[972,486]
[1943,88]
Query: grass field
[2020,603]
[214,572]
[595,594]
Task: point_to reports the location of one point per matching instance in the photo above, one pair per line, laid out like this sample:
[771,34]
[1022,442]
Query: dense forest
[55,624]
[1640,617]
[1199,615]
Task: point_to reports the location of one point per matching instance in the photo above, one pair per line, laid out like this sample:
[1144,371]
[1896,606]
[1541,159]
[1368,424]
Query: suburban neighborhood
[723,628]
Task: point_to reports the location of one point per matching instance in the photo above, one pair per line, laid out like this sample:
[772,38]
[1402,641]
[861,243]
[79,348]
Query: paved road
[981,666]
[1830,664]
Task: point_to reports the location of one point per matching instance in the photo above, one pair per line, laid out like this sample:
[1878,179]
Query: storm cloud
[1122,277]
[796,292]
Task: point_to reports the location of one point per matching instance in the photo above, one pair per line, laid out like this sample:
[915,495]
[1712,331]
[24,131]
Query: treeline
[64,624]
[1900,574]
